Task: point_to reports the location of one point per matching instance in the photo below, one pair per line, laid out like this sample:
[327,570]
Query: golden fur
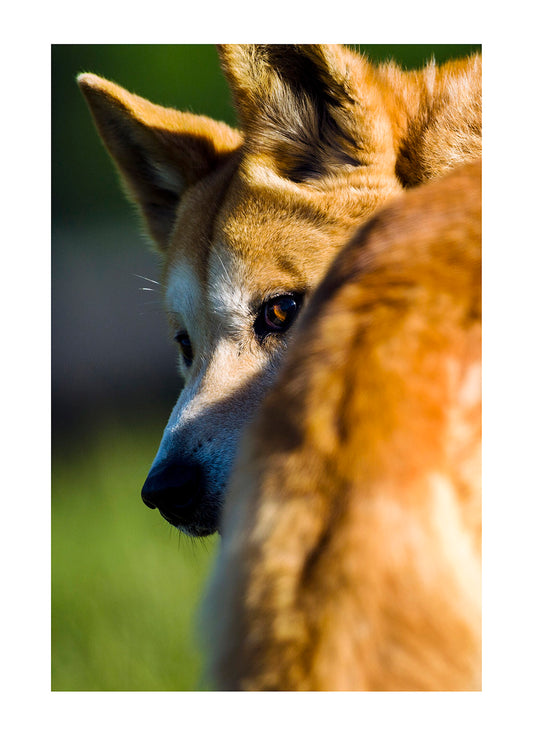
[351,538]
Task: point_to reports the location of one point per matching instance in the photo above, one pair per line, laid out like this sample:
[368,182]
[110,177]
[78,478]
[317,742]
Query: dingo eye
[184,342]
[277,314]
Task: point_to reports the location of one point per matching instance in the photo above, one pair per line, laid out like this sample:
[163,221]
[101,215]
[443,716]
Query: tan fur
[241,216]
[351,537]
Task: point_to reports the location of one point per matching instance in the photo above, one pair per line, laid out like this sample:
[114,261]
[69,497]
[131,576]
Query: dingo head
[247,222]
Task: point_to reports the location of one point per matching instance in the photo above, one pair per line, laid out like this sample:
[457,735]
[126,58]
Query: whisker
[224,268]
[143,277]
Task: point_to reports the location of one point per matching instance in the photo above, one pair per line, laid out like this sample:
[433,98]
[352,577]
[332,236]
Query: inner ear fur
[158,151]
[314,109]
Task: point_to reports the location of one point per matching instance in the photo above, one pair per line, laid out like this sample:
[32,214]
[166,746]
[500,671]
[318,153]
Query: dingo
[248,221]
[351,536]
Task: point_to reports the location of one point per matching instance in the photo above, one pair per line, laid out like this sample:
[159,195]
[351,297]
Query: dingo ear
[315,109]
[159,151]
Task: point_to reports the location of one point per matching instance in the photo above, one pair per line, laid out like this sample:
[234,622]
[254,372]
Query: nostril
[171,486]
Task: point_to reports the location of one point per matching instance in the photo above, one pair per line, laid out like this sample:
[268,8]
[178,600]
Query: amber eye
[277,314]
[184,342]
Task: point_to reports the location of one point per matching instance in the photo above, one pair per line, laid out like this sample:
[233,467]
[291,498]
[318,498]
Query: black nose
[173,488]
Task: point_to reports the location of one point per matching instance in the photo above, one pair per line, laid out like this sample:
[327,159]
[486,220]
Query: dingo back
[351,537]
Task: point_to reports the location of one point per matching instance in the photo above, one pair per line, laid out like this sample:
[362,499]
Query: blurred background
[125,584]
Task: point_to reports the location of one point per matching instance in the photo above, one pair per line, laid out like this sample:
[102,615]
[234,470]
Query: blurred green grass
[125,585]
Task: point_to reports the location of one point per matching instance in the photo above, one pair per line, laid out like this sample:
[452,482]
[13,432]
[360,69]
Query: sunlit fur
[351,538]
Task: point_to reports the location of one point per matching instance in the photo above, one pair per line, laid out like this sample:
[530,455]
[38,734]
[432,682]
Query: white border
[84,722]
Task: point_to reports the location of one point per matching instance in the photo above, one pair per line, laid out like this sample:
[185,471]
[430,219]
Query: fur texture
[351,538]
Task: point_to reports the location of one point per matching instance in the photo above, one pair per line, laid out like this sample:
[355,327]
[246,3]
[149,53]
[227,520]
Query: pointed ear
[313,108]
[159,151]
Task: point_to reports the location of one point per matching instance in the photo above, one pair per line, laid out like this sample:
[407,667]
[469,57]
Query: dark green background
[125,585]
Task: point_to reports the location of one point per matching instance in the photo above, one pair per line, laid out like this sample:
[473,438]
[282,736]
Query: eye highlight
[277,314]
[184,342]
